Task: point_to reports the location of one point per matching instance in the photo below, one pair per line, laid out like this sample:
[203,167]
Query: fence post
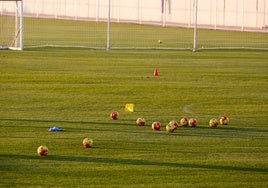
[22,25]
[195,26]
[243,15]
[140,12]
[216,15]
[108,26]
[264,14]
[97,10]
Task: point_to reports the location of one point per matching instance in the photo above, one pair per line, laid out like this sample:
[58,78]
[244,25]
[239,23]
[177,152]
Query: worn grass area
[76,89]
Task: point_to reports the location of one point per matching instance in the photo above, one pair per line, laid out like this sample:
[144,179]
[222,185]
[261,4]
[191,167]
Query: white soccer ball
[224,120]
[172,126]
[42,150]
[140,122]
[87,142]
[184,122]
[156,126]
[192,122]
[213,122]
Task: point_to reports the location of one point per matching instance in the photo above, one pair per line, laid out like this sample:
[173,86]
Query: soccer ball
[156,126]
[160,41]
[172,126]
[224,120]
[213,122]
[42,150]
[192,122]
[174,123]
[114,115]
[140,121]
[184,122]
[87,142]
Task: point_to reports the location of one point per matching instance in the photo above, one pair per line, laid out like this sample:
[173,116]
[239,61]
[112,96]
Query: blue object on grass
[54,129]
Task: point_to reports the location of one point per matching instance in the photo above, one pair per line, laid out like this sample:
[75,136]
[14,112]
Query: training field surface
[77,89]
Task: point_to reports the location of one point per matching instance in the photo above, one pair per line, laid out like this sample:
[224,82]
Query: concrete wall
[232,14]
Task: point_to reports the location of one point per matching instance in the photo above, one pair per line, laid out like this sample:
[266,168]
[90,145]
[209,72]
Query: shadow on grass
[112,122]
[137,162]
[224,132]
[59,121]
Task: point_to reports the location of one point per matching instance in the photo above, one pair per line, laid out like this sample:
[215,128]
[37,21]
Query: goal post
[12,24]
[195,25]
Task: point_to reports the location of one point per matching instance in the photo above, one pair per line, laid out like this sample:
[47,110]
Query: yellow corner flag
[129,107]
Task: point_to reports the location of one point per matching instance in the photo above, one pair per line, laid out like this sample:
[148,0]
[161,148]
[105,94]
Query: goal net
[135,24]
[11,24]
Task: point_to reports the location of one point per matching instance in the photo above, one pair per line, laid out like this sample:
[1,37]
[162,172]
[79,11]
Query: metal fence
[83,23]
[238,14]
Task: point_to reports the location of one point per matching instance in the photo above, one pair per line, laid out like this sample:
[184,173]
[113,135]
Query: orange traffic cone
[156,72]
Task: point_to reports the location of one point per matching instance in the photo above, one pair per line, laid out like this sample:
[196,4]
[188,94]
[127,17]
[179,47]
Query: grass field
[77,89]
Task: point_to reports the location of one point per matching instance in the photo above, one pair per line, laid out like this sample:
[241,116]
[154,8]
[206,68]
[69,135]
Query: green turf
[76,89]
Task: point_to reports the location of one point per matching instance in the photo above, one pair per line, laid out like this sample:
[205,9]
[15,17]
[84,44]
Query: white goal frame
[18,40]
